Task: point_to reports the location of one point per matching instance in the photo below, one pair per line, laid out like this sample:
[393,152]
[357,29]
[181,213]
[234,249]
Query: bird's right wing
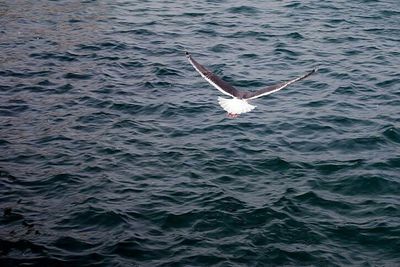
[274,88]
[213,79]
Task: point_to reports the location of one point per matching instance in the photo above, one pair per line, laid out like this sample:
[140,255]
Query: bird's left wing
[274,88]
[213,79]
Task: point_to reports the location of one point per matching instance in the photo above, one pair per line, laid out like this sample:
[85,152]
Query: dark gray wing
[213,79]
[275,88]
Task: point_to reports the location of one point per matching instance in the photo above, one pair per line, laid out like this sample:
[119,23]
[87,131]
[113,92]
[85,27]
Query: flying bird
[238,104]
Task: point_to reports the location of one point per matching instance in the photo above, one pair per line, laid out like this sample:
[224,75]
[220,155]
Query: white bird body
[239,102]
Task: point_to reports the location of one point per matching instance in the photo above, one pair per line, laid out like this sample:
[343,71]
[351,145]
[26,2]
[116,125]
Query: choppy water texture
[114,151]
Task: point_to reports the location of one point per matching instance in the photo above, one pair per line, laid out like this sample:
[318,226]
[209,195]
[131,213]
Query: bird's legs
[232,115]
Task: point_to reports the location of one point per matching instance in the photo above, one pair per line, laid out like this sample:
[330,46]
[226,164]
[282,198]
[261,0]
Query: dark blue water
[114,151]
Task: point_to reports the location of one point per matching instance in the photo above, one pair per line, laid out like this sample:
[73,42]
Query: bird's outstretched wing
[213,79]
[274,88]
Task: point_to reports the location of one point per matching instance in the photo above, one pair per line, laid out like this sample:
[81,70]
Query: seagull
[238,104]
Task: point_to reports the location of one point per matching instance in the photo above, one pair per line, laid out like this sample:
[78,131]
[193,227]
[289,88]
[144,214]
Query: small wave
[46,82]
[95,102]
[164,71]
[30,250]
[388,83]
[140,32]
[157,84]
[13,110]
[248,34]
[72,245]
[247,10]
[4,142]
[275,164]
[85,47]
[77,76]
[249,55]
[132,64]
[26,74]
[113,45]
[287,52]
[392,133]
[390,13]
[194,14]
[389,164]
[52,55]
[294,5]
[219,48]
[345,90]
[54,138]
[314,199]
[295,35]
[207,31]
[331,167]
[366,185]
[319,103]
[358,144]
[90,216]
[63,88]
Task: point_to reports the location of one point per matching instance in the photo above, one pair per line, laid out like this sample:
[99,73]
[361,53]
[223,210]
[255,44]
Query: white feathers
[235,105]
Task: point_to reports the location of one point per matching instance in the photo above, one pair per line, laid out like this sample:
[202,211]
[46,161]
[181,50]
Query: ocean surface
[115,152]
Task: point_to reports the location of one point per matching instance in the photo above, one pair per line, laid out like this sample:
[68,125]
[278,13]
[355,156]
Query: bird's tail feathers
[235,105]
